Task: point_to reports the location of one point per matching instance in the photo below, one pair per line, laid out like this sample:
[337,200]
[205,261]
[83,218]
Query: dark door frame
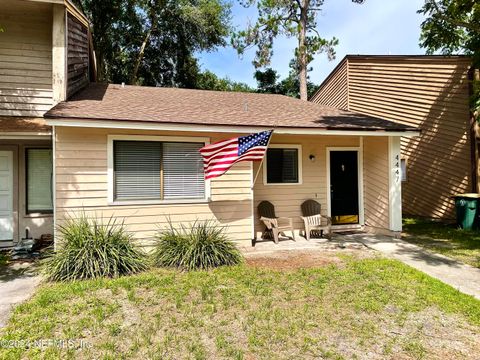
[361,210]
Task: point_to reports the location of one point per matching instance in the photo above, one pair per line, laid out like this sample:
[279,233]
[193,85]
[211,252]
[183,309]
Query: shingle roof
[173,105]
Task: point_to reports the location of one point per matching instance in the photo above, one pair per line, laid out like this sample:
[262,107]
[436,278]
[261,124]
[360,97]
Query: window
[39,172]
[153,170]
[403,169]
[283,164]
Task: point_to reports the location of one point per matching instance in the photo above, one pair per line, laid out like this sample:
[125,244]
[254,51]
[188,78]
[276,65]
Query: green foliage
[297,19]
[199,245]
[290,86]
[207,80]
[89,249]
[154,42]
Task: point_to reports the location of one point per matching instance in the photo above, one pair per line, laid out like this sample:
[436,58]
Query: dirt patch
[301,259]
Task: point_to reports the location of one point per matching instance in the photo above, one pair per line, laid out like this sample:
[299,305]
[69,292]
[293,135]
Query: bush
[89,249]
[200,245]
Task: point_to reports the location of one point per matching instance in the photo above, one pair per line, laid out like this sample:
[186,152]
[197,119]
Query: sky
[378,27]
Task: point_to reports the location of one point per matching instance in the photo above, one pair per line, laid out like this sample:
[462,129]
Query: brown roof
[23,124]
[173,105]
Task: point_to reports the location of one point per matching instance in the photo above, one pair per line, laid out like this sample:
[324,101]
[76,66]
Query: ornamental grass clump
[89,248]
[200,245]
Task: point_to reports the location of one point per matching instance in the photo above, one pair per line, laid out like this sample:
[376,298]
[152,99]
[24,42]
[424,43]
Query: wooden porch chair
[313,220]
[274,225]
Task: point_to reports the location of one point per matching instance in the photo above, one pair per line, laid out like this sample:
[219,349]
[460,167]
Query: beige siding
[77,55]
[81,184]
[288,198]
[334,91]
[25,58]
[376,182]
[430,93]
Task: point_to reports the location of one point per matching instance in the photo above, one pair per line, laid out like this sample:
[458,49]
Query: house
[44,58]
[70,145]
[429,92]
[132,152]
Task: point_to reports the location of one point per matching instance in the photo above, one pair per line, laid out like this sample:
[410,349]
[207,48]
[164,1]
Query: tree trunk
[133,78]
[302,53]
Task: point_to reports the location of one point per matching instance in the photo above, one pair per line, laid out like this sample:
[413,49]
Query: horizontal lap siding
[334,92]
[430,94]
[81,185]
[77,55]
[288,198]
[376,182]
[25,58]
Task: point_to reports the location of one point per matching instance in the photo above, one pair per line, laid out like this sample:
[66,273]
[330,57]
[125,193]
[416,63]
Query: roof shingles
[174,105]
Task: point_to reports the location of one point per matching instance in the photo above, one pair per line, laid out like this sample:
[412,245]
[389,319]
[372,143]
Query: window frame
[404,174]
[298,147]
[28,212]
[111,174]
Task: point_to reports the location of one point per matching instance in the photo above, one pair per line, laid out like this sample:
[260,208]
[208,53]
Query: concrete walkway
[17,284]
[462,277]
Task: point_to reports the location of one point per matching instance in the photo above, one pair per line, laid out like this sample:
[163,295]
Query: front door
[6,195]
[344,187]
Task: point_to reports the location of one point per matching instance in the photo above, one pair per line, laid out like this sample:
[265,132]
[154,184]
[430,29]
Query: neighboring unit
[429,92]
[44,58]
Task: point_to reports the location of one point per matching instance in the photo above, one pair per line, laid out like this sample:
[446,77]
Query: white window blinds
[137,170]
[183,171]
[39,172]
[158,170]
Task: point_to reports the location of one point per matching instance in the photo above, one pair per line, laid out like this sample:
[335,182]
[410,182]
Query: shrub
[199,245]
[89,249]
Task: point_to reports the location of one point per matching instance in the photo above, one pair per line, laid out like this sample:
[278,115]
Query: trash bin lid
[468,195]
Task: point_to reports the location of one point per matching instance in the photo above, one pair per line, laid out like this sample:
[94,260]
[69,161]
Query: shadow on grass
[446,239]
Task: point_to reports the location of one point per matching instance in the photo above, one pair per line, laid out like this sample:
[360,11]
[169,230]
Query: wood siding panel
[376,182]
[432,94]
[334,92]
[82,182]
[25,58]
[77,55]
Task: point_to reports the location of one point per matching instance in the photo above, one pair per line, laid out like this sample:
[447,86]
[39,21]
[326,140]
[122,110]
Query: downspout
[54,186]
[474,129]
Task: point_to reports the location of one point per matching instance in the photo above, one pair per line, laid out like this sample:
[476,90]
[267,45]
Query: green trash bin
[468,210]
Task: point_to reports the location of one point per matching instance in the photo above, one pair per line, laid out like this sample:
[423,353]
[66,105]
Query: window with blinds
[39,175]
[152,170]
[282,166]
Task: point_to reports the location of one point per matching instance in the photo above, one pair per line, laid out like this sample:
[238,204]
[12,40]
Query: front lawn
[370,308]
[444,239]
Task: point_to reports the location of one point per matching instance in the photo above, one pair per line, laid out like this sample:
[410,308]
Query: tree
[153,42]
[290,86]
[453,26]
[292,18]
[209,81]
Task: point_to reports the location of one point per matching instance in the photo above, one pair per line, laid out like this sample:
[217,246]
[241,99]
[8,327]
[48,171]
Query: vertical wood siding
[77,55]
[334,91]
[376,182]
[25,58]
[428,92]
[81,184]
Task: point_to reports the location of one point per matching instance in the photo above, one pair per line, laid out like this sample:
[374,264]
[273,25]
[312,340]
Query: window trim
[110,168]
[299,162]
[41,212]
[404,174]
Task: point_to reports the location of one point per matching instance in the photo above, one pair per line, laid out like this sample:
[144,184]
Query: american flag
[220,156]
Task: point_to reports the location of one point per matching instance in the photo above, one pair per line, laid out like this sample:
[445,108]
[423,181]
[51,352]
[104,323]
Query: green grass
[3,259]
[446,239]
[375,306]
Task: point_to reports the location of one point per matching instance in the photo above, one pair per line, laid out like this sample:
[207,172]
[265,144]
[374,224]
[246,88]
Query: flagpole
[261,162]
